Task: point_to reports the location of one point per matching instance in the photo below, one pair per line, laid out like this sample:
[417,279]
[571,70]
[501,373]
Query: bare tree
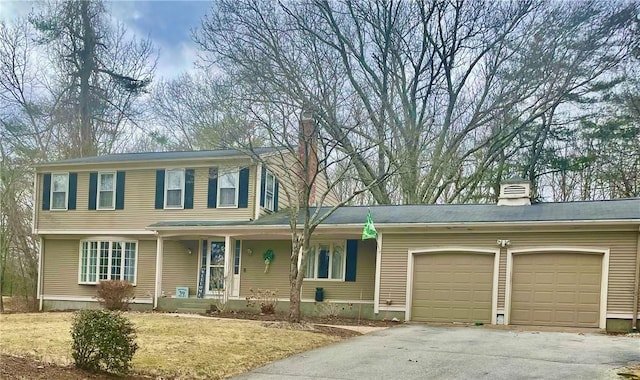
[430,80]
[100,73]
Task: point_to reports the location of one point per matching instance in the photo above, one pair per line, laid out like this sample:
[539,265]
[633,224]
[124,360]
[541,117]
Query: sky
[168,24]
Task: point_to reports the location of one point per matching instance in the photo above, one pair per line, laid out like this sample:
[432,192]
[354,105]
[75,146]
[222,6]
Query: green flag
[369,230]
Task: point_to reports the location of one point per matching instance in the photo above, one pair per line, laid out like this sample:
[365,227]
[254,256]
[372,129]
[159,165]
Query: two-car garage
[545,287]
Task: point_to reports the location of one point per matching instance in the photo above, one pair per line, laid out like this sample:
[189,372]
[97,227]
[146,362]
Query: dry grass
[169,345]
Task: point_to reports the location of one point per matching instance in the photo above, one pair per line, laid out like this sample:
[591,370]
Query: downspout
[636,290]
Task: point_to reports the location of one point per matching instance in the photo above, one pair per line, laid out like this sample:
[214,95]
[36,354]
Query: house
[189,227]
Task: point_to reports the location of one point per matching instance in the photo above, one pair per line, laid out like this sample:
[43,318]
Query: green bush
[102,340]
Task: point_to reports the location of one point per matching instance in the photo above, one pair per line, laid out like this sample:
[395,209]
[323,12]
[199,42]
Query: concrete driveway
[423,352]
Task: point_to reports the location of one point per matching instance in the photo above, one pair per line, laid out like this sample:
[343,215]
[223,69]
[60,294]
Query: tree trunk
[87,59]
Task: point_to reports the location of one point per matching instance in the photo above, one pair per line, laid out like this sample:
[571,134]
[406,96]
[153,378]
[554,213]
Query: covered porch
[200,268]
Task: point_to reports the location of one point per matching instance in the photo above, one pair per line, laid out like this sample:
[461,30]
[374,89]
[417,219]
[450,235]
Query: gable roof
[619,209]
[159,156]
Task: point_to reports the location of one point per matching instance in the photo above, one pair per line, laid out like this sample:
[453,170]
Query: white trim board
[480,251]
[604,278]
[95,232]
[621,316]
[392,308]
[91,299]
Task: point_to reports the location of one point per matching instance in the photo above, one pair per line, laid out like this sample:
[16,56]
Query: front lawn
[169,345]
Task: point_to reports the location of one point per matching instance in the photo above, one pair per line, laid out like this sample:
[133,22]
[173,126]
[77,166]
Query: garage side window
[326,261]
[107,260]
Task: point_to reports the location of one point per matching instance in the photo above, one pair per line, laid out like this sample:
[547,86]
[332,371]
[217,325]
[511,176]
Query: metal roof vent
[515,192]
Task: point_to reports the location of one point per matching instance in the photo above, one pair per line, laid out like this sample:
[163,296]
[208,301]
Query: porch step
[192,310]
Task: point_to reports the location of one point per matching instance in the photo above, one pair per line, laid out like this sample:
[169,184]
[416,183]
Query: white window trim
[113,202]
[166,188]
[66,193]
[317,257]
[111,241]
[222,172]
[273,191]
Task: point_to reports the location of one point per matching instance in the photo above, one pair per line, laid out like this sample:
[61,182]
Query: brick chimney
[515,192]
[308,152]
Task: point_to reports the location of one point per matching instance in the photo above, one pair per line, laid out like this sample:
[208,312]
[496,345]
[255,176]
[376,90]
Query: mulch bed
[280,317]
[17,367]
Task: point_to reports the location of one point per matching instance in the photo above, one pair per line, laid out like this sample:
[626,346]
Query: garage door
[452,287]
[556,289]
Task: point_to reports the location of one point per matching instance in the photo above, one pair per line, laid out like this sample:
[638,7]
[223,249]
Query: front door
[215,268]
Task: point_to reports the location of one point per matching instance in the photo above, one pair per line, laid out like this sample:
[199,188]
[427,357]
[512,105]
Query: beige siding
[284,169]
[60,272]
[179,268]
[139,205]
[330,198]
[622,247]
[252,275]
[360,289]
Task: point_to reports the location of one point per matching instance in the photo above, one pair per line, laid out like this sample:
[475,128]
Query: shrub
[267,299]
[102,340]
[329,309]
[115,294]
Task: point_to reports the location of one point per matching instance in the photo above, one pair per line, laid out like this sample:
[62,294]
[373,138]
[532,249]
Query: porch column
[158,287]
[376,291]
[40,272]
[228,282]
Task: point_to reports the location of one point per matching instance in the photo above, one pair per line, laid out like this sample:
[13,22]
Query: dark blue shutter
[275,196]
[120,176]
[93,190]
[189,182]
[46,191]
[159,189]
[323,264]
[352,260]
[212,194]
[263,185]
[73,191]
[243,184]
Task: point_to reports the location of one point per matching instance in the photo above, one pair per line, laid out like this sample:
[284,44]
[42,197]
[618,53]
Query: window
[269,191]
[228,189]
[174,189]
[107,260]
[106,191]
[326,261]
[59,191]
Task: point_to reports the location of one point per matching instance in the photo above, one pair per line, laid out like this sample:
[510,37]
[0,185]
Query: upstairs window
[269,191]
[106,191]
[228,188]
[326,261]
[59,191]
[174,188]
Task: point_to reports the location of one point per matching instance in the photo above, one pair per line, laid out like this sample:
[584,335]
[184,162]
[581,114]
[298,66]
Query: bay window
[107,260]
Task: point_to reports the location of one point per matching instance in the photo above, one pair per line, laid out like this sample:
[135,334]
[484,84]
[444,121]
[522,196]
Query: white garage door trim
[604,284]
[423,251]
